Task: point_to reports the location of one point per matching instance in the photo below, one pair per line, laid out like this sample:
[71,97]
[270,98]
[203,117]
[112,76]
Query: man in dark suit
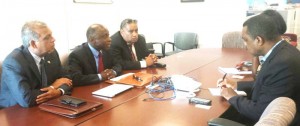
[25,79]
[85,62]
[278,76]
[129,48]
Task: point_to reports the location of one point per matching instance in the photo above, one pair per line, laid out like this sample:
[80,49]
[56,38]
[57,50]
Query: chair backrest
[185,40]
[280,112]
[233,39]
[291,36]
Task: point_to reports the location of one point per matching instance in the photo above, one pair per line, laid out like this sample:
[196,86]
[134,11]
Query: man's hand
[61,81]
[49,94]
[151,59]
[226,83]
[227,93]
[108,74]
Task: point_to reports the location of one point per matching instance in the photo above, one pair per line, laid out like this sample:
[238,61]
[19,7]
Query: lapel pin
[48,62]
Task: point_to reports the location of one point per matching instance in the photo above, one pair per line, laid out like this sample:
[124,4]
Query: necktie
[100,63]
[43,73]
[132,54]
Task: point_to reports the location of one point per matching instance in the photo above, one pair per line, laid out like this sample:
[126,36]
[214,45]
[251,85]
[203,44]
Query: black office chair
[280,112]
[150,47]
[182,41]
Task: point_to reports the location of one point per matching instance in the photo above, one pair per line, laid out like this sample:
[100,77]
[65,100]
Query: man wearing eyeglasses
[129,48]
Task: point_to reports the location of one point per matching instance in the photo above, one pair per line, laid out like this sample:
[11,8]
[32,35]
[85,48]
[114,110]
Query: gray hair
[127,21]
[28,32]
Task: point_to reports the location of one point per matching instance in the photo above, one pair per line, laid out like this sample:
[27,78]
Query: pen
[224,77]
[223,86]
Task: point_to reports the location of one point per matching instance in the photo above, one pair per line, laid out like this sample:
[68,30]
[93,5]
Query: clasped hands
[108,74]
[151,59]
[52,91]
[227,88]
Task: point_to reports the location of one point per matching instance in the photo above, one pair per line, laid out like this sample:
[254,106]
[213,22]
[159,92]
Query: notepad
[233,71]
[112,90]
[217,92]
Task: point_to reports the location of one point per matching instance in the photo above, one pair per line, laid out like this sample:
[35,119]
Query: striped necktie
[132,54]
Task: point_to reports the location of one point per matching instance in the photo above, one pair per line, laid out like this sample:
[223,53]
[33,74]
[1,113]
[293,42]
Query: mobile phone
[201,101]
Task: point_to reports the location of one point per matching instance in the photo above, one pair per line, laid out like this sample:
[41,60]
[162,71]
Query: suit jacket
[83,65]
[21,79]
[122,54]
[279,76]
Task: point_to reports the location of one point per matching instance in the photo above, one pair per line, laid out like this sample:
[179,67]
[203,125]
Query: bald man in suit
[84,60]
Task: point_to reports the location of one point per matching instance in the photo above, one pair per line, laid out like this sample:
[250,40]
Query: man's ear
[32,44]
[260,40]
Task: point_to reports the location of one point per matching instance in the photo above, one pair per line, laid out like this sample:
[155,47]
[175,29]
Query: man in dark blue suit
[129,48]
[279,75]
[24,80]
[85,63]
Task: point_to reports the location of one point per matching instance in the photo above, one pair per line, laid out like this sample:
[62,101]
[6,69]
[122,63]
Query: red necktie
[100,63]
[132,54]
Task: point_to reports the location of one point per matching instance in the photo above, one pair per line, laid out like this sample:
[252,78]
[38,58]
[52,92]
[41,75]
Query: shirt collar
[36,58]
[94,51]
[264,58]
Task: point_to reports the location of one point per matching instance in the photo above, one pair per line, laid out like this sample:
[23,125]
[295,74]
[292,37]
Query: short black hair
[264,26]
[278,19]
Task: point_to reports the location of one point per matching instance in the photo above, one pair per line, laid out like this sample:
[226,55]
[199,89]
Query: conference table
[133,107]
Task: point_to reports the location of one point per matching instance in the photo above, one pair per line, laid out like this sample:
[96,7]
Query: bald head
[98,37]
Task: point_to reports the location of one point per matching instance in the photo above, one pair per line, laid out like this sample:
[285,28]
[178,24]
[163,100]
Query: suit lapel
[90,56]
[267,62]
[31,62]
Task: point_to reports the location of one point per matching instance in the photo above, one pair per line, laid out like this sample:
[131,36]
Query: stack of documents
[184,83]
[112,90]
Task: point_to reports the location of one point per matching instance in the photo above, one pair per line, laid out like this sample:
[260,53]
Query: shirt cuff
[143,64]
[100,77]
[115,72]
[62,91]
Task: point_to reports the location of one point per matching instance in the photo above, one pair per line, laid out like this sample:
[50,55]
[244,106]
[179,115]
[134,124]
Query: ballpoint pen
[224,77]
[223,86]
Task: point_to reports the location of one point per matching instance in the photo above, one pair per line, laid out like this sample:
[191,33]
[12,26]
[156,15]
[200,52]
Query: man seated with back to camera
[92,62]
[129,48]
[32,73]
[279,75]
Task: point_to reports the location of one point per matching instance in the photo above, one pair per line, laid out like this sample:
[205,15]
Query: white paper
[233,71]
[217,92]
[184,83]
[120,77]
[203,106]
[112,90]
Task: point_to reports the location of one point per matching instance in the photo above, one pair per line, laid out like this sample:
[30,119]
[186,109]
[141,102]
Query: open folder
[139,79]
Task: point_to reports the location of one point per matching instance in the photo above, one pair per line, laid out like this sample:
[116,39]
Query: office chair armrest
[151,51]
[223,122]
[161,45]
[173,46]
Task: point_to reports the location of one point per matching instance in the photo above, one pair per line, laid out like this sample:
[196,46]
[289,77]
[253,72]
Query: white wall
[158,19]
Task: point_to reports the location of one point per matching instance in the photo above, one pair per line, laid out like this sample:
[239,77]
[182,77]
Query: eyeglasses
[137,78]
